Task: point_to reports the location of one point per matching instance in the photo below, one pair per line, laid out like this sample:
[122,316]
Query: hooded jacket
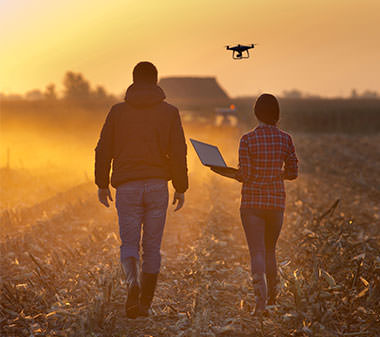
[143,138]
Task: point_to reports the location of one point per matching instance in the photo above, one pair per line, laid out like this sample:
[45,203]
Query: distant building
[194,91]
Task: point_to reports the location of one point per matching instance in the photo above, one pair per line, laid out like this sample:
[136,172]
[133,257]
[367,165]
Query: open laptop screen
[208,154]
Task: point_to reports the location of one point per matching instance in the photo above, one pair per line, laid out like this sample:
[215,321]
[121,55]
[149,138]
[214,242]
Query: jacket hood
[142,95]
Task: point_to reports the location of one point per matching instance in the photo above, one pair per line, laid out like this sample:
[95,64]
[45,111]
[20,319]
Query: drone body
[240,51]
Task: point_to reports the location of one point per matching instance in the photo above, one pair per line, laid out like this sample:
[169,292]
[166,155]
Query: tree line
[76,89]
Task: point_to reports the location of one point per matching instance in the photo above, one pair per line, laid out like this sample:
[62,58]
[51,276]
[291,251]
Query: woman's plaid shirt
[266,157]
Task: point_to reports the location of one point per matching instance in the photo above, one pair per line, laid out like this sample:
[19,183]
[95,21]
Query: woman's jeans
[262,228]
[142,202]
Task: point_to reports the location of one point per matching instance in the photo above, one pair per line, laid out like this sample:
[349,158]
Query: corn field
[59,248]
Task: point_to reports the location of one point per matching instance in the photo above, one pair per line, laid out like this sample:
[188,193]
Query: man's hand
[180,197]
[103,195]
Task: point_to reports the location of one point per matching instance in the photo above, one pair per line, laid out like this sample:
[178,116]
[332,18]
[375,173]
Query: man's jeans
[142,202]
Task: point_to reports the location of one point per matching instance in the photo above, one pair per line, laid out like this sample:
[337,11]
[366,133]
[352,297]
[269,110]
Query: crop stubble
[61,276]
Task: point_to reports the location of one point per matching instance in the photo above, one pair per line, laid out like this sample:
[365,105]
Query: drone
[240,51]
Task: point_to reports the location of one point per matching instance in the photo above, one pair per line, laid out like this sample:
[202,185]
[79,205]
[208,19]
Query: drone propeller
[241,44]
[232,44]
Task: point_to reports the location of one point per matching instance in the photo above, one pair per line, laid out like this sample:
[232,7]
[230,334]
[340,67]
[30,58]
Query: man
[144,140]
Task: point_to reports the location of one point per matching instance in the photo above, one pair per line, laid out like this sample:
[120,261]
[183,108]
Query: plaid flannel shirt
[266,157]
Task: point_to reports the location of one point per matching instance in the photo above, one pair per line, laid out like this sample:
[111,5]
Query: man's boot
[148,286]
[260,289]
[272,283]
[131,270]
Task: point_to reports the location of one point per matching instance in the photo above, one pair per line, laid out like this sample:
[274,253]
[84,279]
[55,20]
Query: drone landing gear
[240,55]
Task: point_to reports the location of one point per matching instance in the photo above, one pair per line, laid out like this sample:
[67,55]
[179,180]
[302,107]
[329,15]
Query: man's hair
[145,72]
[267,109]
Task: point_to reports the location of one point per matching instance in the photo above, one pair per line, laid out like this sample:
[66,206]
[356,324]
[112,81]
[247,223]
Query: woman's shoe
[259,308]
[260,289]
[272,284]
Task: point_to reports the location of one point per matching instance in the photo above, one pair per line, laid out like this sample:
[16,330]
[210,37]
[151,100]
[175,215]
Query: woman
[266,158]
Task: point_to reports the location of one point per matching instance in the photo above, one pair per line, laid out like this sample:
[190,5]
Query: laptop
[210,155]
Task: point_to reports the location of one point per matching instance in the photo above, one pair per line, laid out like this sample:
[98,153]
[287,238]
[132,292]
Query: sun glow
[309,46]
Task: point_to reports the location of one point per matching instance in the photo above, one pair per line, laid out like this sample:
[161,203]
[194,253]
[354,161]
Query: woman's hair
[267,109]
[145,72]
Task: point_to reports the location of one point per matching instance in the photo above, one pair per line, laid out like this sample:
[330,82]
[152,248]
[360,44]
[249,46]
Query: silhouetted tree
[369,94]
[34,95]
[13,97]
[100,93]
[366,94]
[312,96]
[76,88]
[294,93]
[50,93]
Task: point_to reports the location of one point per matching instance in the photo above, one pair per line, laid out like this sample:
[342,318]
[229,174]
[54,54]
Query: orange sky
[319,46]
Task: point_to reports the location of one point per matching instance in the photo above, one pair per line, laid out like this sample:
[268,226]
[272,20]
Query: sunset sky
[322,47]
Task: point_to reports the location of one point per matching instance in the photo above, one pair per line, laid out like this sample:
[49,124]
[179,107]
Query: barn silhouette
[194,91]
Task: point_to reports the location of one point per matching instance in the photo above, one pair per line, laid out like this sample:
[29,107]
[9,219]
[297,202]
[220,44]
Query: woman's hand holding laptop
[210,156]
[228,172]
